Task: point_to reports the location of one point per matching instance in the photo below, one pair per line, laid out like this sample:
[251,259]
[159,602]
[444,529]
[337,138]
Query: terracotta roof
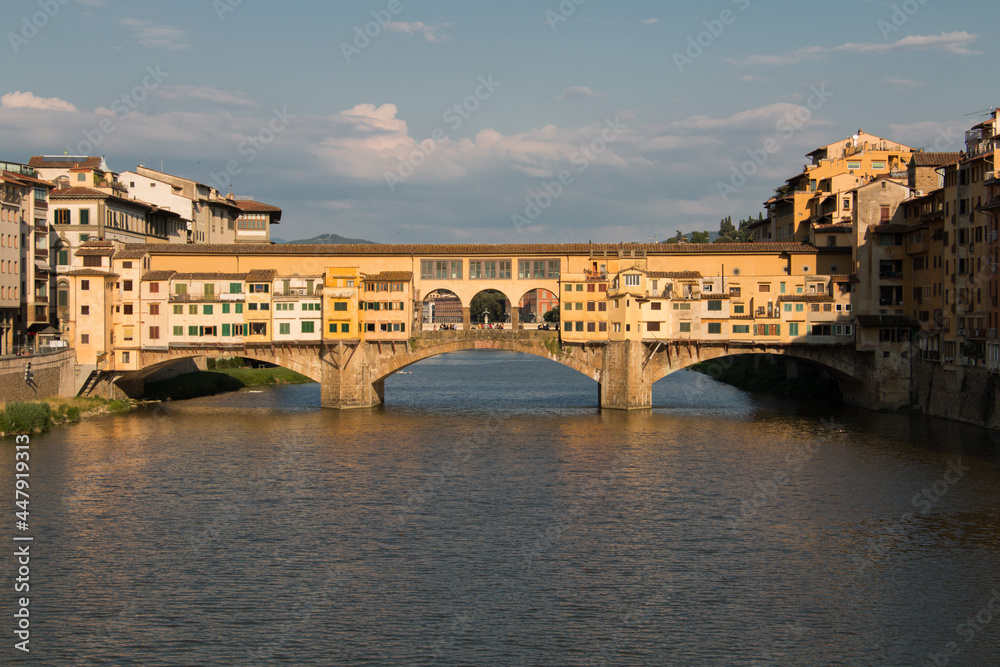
[888,321]
[432,250]
[136,253]
[252,206]
[90,252]
[78,192]
[844,278]
[833,227]
[676,275]
[89,272]
[40,161]
[261,275]
[397,276]
[209,276]
[934,159]
[98,243]
[158,275]
[27,180]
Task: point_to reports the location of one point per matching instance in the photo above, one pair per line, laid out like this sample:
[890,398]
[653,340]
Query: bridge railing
[487,334]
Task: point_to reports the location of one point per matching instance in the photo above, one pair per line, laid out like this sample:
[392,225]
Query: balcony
[891,275]
[10,198]
[41,228]
[41,253]
[41,205]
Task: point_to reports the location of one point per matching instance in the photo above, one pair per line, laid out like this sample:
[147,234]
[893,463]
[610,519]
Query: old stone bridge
[352,373]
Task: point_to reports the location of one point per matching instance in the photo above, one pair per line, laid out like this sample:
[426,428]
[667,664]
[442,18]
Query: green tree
[492,302]
[726,227]
[700,237]
[552,315]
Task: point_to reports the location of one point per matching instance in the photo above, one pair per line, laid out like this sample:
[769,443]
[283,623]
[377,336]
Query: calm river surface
[490,514]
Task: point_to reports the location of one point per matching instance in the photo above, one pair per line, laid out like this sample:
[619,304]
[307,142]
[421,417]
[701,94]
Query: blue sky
[514,121]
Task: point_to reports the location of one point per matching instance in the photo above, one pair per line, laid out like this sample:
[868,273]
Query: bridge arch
[676,355]
[587,363]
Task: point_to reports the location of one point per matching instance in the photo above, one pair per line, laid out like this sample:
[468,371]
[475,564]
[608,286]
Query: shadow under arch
[546,348]
[133,382]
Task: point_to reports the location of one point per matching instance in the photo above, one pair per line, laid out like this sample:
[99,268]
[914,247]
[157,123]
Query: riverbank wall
[51,375]
[961,393]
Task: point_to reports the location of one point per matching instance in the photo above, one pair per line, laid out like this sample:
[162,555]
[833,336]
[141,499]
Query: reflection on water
[490,514]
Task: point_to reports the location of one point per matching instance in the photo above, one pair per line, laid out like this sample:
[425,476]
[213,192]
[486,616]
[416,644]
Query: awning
[41,265]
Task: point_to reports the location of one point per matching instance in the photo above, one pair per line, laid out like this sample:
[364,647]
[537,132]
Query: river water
[490,514]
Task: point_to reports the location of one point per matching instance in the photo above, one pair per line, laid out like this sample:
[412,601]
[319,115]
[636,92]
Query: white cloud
[752,78]
[955,43]
[155,36]
[574,92]
[207,93]
[28,100]
[902,84]
[651,21]
[430,32]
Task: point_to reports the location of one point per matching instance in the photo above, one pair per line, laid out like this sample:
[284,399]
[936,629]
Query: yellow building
[340,304]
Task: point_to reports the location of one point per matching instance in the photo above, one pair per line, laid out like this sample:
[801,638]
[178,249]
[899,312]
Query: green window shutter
[206,309]
[178,331]
[178,310]
[345,327]
[192,310]
[192,331]
[225,309]
[284,328]
[239,308]
[308,327]
[235,288]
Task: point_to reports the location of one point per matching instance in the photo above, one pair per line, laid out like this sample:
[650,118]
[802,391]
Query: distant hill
[332,239]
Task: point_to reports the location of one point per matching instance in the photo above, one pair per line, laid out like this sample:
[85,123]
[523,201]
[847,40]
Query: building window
[127,309]
[741,328]
[206,309]
[63,257]
[154,288]
[685,327]
[127,285]
[192,309]
[258,328]
[92,260]
[85,339]
[652,326]
[62,216]
[886,213]
[340,305]
[345,327]
[715,327]
[764,287]
[714,305]
[154,333]
[225,309]
[84,216]
[308,327]
[793,328]
[656,305]
[178,309]
[85,310]
[178,331]
[180,288]
[192,331]
[738,309]
[631,280]
[125,356]
[284,328]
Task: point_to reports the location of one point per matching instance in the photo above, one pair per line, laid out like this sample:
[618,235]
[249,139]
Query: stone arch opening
[534,304]
[441,308]
[489,307]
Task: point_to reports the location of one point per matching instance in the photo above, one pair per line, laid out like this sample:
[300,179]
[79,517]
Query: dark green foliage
[491,301]
[552,315]
[25,417]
